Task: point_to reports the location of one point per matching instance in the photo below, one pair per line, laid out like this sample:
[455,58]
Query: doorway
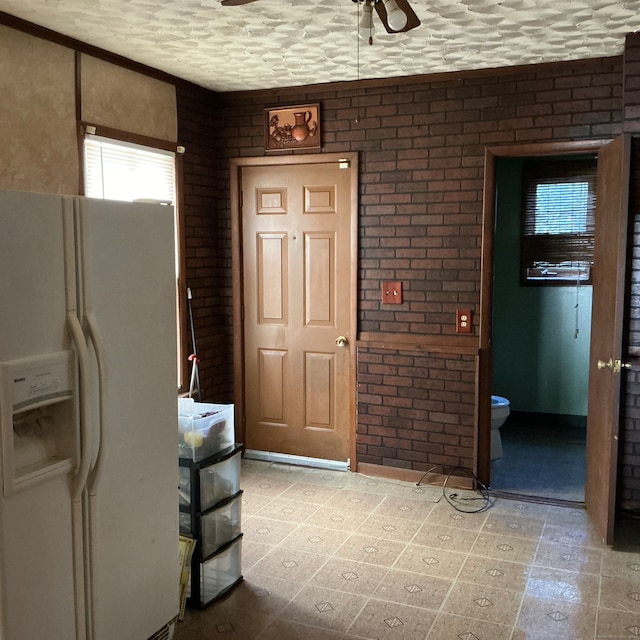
[605,353]
[541,331]
[295,267]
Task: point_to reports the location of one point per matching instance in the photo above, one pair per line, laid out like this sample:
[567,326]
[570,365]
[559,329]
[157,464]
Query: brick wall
[415,410]
[207,241]
[421,144]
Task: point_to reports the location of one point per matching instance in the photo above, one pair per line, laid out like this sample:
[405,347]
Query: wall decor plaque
[296,127]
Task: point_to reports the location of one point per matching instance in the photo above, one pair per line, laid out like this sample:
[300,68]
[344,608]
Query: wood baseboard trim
[412,475]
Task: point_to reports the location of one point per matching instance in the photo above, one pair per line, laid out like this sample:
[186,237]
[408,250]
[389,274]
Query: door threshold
[301,461]
[522,497]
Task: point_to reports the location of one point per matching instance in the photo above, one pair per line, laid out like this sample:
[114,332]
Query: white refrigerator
[88,417]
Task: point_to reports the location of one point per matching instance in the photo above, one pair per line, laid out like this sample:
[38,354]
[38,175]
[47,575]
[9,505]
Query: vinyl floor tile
[390,621]
[565,533]
[557,584]
[361,501]
[266,530]
[370,550]
[430,561]
[264,594]
[252,552]
[617,624]
[570,558]
[547,619]
[320,607]
[621,594]
[389,527]
[452,627]
[265,485]
[445,515]
[449,538]
[308,492]
[512,525]
[315,539]
[340,574]
[288,510]
[289,564]
[331,516]
[509,548]
[288,630]
[483,603]
[413,589]
[500,574]
[405,508]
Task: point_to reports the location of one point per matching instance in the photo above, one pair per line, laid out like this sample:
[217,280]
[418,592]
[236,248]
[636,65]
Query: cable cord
[462,503]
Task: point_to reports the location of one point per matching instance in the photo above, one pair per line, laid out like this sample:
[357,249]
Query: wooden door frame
[236,166]
[485,364]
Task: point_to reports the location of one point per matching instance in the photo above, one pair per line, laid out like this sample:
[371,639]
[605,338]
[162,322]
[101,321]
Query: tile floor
[540,459]
[339,556]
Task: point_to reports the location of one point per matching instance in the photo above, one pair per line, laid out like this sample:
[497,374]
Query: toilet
[499,413]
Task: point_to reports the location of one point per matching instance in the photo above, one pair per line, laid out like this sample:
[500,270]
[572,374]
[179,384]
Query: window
[116,168]
[119,170]
[558,221]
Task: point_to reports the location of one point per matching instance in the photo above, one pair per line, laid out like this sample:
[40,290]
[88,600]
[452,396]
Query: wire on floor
[462,502]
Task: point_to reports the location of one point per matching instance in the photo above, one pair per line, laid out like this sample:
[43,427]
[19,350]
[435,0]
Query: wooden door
[606,335]
[298,254]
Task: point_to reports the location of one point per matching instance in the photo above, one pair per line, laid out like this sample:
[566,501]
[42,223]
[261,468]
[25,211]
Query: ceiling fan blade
[412,19]
[235,3]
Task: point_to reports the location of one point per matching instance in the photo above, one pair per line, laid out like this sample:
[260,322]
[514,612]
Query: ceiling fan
[396,15]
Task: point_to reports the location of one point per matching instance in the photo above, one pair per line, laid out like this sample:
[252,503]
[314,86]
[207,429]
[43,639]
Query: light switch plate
[392,293]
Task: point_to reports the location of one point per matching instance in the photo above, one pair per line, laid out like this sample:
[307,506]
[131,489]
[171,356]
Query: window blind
[118,170]
[558,218]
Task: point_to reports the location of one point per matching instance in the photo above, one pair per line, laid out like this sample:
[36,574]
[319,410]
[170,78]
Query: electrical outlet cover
[392,293]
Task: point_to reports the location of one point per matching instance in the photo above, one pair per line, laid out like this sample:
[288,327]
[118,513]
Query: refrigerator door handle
[97,455]
[86,433]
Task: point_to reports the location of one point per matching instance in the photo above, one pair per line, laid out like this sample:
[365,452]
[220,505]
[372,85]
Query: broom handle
[195,375]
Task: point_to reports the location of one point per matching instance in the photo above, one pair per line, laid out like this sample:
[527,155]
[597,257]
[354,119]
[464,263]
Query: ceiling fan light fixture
[366,27]
[396,17]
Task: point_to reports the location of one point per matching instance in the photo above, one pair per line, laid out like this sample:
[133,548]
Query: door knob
[615,365]
[342,341]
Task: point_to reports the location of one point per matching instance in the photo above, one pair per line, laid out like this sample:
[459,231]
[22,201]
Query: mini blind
[118,170]
[558,220]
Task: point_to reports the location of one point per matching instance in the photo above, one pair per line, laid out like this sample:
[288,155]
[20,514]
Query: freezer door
[129,294]
[36,524]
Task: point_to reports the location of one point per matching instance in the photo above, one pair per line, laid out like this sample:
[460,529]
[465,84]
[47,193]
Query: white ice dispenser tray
[37,419]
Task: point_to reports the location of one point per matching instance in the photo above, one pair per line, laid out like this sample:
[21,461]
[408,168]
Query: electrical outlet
[392,293]
[463,321]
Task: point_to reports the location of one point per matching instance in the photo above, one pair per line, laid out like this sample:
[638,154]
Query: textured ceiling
[280,43]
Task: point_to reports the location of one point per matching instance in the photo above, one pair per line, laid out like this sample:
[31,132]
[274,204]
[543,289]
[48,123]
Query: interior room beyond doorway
[540,350]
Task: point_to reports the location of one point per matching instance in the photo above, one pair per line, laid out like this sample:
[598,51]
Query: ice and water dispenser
[37,418]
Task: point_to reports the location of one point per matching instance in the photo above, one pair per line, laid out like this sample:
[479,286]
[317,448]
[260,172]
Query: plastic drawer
[220,480]
[185,523]
[221,572]
[204,429]
[221,524]
[184,486]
